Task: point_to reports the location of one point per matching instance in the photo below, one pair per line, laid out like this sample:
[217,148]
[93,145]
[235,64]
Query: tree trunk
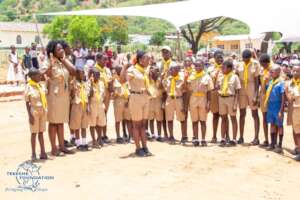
[288,46]
[264,45]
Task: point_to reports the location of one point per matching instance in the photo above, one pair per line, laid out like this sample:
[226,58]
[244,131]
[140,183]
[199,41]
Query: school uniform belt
[175,97]
[136,92]
[198,94]
[226,96]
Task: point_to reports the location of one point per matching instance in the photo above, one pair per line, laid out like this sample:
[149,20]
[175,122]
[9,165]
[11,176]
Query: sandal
[203,143]
[67,151]
[33,158]
[222,143]
[255,142]
[56,153]
[232,143]
[172,139]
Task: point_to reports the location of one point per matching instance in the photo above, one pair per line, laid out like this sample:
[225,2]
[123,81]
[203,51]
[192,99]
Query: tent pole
[178,46]
[37,30]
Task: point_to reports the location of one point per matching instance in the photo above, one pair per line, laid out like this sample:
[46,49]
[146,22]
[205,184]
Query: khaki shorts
[97,116]
[39,115]
[174,106]
[296,120]
[214,101]
[121,109]
[246,99]
[78,118]
[263,108]
[139,107]
[226,106]
[155,109]
[197,107]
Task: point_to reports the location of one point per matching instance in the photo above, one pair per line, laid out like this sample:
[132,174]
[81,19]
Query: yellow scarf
[189,69]
[146,78]
[296,83]
[218,66]
[96,91]
[269,90]
[83,96]
[125,90]
[266,72]
[103,75]
[197,75]
[173,85]
[224,88]
[246,73]
[166,65]
[42,93]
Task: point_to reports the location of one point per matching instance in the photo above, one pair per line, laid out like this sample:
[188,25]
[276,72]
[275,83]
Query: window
[19,39]
[37,39]
[234,47]
[249,46]
[220,46]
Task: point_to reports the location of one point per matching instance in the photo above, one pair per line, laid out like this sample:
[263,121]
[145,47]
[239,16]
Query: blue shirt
[275,96]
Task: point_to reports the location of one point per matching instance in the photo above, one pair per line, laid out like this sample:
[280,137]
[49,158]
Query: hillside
[21,10]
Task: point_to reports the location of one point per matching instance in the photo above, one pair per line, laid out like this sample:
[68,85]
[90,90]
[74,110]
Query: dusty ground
[175,172]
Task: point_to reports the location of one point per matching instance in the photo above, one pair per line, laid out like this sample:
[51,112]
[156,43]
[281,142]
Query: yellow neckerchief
[173,85]
[265,74]
[224,88]
[269,90]
[83,96]
[189,69]
[143,71]
[197,75]
[96,91]
[296,82]
[42,93]
[166,65]
[125,90]
[103,74]
[218,66]
[246,73]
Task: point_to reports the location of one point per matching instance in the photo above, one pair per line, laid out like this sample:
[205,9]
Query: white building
[21,34]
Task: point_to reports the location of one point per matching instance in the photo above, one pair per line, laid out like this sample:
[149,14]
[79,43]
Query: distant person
[78,57]
[34,56]
[13,67]
[26,61]
[109,55]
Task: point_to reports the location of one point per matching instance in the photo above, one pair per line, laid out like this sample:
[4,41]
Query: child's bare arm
[28,107]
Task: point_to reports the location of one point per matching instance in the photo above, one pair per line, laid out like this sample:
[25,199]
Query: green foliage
[158,38]
[233,27]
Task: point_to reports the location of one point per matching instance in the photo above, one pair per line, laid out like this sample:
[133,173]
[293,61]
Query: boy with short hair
[97,118]
[275,99]
[36,104]
[79,109]
[229,86]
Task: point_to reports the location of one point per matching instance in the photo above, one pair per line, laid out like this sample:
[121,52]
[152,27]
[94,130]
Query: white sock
[77,141]
[83,141]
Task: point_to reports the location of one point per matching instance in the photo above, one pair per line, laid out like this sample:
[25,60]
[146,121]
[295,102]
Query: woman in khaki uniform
[248,72]
[139,100]
[200,86]
[174,85]
[228,89]
[265,62]
[58,97]
[294,99]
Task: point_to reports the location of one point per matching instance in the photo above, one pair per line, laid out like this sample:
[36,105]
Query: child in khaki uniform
[97,118]
[121,111]
[106,77]
[36,104]
[265,63]
[174,104]
[155,104]
[79,109]
[229,86]
[294,99]
[200,85]
[248,72]
[215,71]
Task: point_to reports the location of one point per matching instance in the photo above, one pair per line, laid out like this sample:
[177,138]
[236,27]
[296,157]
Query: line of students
[143,91]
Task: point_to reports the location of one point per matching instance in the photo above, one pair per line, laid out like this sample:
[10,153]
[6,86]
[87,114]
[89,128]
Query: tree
[58,28]
[158,38]
[193,36]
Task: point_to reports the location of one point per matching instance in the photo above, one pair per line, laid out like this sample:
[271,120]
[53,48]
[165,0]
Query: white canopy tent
[260,15]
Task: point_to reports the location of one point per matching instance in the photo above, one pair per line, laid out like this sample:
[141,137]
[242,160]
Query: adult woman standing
[59,70]
[13,65]
[138,81]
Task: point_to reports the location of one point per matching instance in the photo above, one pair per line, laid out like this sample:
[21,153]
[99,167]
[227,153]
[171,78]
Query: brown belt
[174,97]
[226,96]
[136,92]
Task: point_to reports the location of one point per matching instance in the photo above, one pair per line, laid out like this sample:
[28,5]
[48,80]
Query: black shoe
[120,140]
[67,143]
[105,140]
[147,152]
[232,143]
[195,142]
[184,140]
[172,139]
[159,139]
[228,139]
[153,137]
[241,141]
[297,158]
[81,148]
[222,143]
[265,144]
[203,143]
[278,150]
[271,147]
[100,142]
[296,151]
[255,142]
[140,153]
[72,141]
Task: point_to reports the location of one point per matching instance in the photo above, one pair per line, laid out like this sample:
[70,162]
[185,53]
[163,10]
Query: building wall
[9,38]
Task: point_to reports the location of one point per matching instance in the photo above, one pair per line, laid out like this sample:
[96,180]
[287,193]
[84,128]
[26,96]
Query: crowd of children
[145,93]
